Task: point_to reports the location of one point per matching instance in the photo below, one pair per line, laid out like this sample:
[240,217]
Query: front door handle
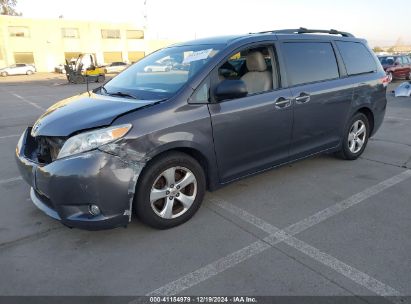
[302,98]
[281,103]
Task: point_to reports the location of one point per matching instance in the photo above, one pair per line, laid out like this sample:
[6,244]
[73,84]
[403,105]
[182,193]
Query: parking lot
[321,226]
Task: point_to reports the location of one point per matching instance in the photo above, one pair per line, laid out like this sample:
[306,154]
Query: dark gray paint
[230,139]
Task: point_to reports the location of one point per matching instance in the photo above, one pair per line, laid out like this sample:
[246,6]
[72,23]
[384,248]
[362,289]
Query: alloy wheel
[173,192]
[357,136]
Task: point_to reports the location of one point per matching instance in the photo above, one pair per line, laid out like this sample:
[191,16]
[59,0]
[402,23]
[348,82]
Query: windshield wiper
[121,94]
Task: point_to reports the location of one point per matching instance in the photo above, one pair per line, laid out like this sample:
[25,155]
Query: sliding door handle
[302,98]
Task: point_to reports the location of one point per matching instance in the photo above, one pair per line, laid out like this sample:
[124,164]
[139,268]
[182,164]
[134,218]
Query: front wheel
[355,137]
[100,78]
[4,74]
[170,190]
[29,72]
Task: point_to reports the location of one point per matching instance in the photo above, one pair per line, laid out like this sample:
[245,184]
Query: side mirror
[396,63]
[230,89]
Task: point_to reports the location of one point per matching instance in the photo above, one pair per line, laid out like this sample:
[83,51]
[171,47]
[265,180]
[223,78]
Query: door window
[254,66]
[308,62]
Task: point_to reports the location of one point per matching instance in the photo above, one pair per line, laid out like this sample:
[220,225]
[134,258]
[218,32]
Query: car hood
[84,112]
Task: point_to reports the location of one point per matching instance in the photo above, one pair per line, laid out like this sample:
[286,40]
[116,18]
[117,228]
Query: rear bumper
[64,189]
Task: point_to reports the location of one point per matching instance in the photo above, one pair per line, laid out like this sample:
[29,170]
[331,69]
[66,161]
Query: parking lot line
[28,101]
[399,118]
[204,273]
[278,236]
[9,180]
[9,136]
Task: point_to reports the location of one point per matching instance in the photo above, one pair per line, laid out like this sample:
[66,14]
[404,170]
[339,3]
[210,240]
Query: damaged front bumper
[66,188]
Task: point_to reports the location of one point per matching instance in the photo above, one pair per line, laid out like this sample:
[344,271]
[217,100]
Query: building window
[135,34]
[70,33]
[24,58]
[135,56]
[19,31]
[110,57]
[110,34]
[71,56]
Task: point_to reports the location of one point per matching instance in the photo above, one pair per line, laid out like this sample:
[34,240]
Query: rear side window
[310,62]
[357,58]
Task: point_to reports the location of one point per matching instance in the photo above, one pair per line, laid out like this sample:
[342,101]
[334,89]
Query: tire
[29,72]
[100,78]
[350,151]
[409,76]
[4,74]
[79,79]
[153,183]
[390,76]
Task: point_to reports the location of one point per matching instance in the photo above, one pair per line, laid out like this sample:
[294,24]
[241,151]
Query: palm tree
[8,7]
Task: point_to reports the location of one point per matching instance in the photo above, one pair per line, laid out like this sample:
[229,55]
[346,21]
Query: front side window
[357,58]
[19,31]
[254,66]
[161,74]
[110,34]
[308,62]
[202,94]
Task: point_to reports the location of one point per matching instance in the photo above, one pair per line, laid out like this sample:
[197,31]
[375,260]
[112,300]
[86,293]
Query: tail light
[385,80]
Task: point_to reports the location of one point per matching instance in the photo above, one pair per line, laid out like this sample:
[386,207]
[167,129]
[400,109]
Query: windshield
[161,74]
[389,60]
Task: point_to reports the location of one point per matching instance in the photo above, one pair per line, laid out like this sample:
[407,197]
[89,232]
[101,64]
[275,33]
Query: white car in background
[158,67]
[115,67]
[18,69]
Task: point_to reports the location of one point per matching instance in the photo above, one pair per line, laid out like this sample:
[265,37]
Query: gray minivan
[151,142]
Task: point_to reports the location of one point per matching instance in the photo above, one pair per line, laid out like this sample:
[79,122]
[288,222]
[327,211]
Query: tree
[377,49]
[8,7]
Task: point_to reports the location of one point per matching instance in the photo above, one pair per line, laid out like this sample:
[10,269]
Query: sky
[381,22]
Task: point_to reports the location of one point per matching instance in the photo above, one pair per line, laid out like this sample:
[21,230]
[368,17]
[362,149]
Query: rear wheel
[170,190]
[4,74]
[355,137]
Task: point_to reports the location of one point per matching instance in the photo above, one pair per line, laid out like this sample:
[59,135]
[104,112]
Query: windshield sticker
[197,55]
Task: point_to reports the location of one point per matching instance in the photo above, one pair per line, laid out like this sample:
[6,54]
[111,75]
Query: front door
[251,133]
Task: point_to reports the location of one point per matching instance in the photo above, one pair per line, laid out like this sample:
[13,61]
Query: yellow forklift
[84,70]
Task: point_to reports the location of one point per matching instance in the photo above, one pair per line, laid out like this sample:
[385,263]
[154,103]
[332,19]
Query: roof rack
[303,30]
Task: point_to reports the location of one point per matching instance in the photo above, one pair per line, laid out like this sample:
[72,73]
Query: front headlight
[91,140]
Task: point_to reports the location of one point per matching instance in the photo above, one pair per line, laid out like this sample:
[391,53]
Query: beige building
[48,42]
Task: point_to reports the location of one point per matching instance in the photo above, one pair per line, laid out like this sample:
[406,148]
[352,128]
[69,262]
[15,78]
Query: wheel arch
[370,116]
[206,162]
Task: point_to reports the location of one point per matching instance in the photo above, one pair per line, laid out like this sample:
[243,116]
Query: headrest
[255,62]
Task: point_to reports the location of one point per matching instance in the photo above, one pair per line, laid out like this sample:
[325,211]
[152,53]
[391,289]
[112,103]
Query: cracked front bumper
[65,188]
